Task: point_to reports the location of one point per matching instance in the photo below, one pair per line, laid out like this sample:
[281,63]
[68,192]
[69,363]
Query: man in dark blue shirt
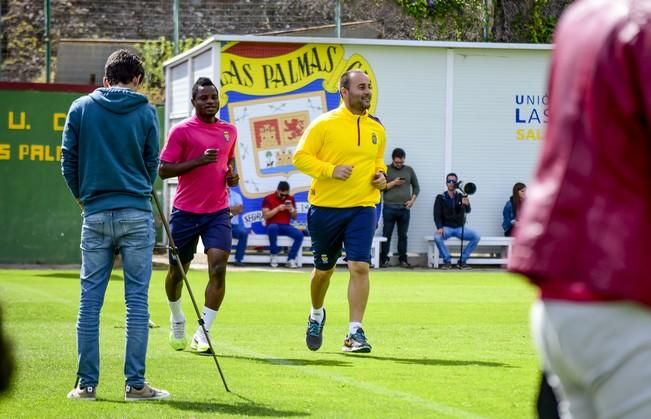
[450,210]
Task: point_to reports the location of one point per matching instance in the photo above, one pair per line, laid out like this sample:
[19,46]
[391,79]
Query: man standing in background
[399,196]
[109,158]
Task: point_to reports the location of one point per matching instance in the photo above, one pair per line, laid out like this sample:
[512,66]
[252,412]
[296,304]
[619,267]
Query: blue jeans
[130,231]
[470,235]
[242,235]
[395,215]
[275,230]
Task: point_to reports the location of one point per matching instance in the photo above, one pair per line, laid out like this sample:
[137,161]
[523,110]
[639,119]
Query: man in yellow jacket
[343,152]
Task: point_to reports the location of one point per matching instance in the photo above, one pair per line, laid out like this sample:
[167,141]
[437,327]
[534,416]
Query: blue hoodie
[110,148]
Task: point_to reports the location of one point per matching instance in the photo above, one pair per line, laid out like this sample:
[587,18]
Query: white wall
[485,147]
[411,105]
[452,107]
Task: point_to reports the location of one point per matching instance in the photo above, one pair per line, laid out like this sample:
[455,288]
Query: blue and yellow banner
[271,92]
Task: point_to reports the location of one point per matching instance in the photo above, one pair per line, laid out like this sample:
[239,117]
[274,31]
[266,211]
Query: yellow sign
[289,72]
[273,92]
[18,121]
[20,125]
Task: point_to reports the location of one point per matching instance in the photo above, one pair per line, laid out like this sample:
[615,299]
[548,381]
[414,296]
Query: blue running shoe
[356,343]
[314,333]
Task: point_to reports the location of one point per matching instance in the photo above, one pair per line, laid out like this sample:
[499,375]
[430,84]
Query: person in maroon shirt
[583,237]
[278,209]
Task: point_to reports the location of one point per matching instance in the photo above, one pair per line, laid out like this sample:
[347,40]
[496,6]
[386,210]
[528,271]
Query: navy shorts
[332,228]
[186,227]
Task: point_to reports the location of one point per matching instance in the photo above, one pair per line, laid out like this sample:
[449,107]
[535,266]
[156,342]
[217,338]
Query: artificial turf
[445,345]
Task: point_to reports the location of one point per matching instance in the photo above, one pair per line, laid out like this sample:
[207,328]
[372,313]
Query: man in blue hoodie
[109,162]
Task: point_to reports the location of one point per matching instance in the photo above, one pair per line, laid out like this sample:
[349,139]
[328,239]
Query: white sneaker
[199,343]
[274,261]
[82,393]
[291,264]
[177,339]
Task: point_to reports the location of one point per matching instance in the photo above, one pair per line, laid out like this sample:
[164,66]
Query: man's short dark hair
[123,66]
[202,82]
[283,186]
[451,174]
[344,81]
[398,152]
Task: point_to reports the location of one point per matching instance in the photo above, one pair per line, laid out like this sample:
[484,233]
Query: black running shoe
[406,265]
[314,333]
[464,266]
[356,343]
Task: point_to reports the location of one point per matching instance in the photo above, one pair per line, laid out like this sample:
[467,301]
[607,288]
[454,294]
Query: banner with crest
[271,92]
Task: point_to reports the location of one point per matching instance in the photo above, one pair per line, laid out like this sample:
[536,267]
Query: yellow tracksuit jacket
[340,137]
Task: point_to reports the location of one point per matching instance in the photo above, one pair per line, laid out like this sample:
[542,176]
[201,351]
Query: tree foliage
[456,20]
[540,27]
[154,53]
[531,21]
[453,20]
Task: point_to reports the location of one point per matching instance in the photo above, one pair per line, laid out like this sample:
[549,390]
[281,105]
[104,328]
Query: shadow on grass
[245,409]
[290,362]
[69,275]
[430,361]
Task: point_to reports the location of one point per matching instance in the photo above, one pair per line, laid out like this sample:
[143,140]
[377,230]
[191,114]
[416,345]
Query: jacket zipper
[358,137]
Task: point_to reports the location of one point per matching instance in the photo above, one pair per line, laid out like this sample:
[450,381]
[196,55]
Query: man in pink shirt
[200,152]
[583,238]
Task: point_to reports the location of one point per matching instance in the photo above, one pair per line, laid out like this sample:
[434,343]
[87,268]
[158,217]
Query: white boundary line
[379,390]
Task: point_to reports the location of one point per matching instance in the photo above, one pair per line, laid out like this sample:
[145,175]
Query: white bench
[503,244]
[262,240]
[305,254]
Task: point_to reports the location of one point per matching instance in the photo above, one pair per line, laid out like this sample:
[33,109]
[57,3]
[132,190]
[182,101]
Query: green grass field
[445,345]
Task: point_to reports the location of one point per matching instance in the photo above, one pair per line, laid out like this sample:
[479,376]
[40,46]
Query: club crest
[275,138]
[273,98]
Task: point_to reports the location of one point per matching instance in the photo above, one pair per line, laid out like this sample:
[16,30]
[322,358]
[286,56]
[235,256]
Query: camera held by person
[467,188]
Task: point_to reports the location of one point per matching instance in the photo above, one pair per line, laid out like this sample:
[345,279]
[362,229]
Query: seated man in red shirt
[278,209]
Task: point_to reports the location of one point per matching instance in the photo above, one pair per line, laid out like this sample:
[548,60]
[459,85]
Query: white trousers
[598,357]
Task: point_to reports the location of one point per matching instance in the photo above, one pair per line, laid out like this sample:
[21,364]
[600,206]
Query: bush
[154,53]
